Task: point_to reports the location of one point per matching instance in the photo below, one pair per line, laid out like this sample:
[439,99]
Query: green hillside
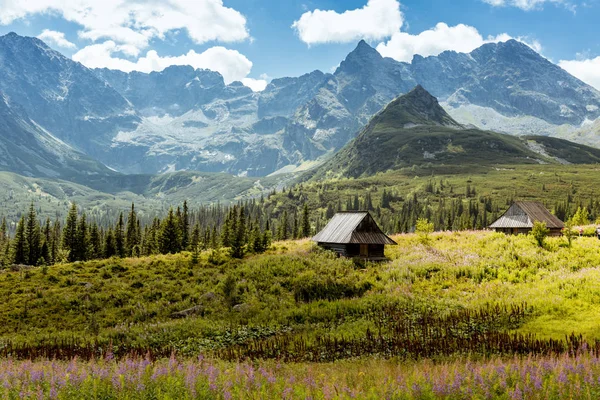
[298,292]
[415,130]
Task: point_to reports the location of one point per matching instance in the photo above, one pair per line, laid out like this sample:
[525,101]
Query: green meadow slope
[298,291]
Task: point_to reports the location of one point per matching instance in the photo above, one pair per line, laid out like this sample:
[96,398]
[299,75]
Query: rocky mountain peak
[362,56]
[417,107]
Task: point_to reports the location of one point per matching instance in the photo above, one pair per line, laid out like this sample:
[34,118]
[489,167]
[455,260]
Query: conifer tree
[70,234]
[239,238]
[3,232]
[95,242]
[120,238]
[170,237]
[283,227]
[33,235]
[55,242]
[305,222]
[185,227]
[45,252]
[214,238]
[131,233]
[110,248]
[20,248]
[195,240]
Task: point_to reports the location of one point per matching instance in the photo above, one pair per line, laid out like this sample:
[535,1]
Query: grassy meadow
[188,323]
[296,290]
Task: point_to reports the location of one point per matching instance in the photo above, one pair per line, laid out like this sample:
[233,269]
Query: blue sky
[257,40]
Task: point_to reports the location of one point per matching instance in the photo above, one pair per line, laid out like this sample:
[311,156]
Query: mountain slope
[415,130]
[61,95]
[30,150]
[186,119]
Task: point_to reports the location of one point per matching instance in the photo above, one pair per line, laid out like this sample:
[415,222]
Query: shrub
[539,232]
[423,229]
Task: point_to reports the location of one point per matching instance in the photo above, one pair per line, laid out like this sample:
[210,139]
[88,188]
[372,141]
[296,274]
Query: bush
[539,232]
[423,229]
[310,286]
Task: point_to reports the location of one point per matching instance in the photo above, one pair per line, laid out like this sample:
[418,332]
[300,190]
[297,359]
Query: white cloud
[587,70]
[403,46]
[136,22]
[56,38]
[233,65]
[378,19]
[528,5]
[257,85]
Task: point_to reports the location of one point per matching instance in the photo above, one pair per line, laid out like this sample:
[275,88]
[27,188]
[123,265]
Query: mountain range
[186,119]
[414,130]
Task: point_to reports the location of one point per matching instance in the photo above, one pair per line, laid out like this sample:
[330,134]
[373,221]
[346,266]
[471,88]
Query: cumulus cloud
[528,4]
[587,70]
[233,65]
[403,46]
[56,38]
[257,85]
[378,19]
[134,23]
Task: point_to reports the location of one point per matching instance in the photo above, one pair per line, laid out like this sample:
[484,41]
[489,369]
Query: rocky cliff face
[182,118]
[28,149]
[63,96]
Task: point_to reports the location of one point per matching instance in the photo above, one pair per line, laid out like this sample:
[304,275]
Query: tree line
[241,228]
[249,226]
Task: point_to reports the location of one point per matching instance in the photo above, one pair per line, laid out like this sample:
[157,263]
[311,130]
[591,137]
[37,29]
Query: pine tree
[95,242]
[70,234]
[185,227]
[110,248]
[33,235]
[3,232]
[283,227]
[214,238]
[45,252]
[239,238]
[195,240]
[170,236]
[305,222]
[120,238]
[20,248]
[295,230]
[131,233]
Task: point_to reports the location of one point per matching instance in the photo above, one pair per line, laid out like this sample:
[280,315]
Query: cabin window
[364,250]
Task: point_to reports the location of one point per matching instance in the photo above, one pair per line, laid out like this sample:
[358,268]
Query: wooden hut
[520,217]
[354,234]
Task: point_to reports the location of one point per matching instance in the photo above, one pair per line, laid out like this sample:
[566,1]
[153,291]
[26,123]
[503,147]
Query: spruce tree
[3,232]
[20,248]
[70,234]
[239,238]
[119,237]
[185,227]
[82,239]
[305,222]
[170,236]
[110,248]
[95,242]
[195,240]
[45,252]
[33,235]
[131,234]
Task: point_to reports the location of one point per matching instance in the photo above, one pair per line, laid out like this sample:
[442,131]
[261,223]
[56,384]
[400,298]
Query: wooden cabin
[520,217]
[354,234]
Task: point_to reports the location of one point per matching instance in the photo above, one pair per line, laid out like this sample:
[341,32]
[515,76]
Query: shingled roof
[522,214]
[352,227]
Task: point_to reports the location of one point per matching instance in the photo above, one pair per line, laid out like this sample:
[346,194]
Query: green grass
[299,290]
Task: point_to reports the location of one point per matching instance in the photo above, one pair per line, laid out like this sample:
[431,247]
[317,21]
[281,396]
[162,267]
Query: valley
[155,229]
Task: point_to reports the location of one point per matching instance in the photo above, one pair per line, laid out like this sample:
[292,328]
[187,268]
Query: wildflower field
[452,315]
[558,377]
